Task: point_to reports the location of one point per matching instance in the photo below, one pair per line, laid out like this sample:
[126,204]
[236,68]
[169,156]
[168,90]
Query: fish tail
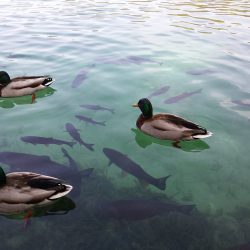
[187,209]
[161,182]
[65,153]
[111,110]
[86,172]
[90,146]
[102,123]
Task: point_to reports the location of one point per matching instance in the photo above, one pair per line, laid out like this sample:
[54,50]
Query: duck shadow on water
[189,146]
[55,207]
[11,102]
[60,206]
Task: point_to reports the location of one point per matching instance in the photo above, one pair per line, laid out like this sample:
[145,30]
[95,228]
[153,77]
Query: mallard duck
[21,86]
[167,126]
[20,191]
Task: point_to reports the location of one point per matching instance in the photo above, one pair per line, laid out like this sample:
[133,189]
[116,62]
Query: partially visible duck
[20,191]
[167,126]
[21,86]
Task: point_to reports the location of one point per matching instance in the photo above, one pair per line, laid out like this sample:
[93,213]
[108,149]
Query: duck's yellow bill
[135,105]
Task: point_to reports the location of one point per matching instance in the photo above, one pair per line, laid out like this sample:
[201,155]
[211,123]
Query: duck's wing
[24,195]
[172,122]
[25,82]
[171,127]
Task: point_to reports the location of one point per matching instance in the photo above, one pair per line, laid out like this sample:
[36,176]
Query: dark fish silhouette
[76,175]
[139,60]
[182,96]
[16,56]
[245,246]
[197,72]
[97,108]
[159,91]
[45,140]
[76,136]
[140,209]
[127,60]
[72,164]
[82,76]
[89,120]
[44,165]
[33,163]
[123,162]
[243,103]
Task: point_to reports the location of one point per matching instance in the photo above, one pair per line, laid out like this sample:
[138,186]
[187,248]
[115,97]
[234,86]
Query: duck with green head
[20,191]
[21,86]
[167,126]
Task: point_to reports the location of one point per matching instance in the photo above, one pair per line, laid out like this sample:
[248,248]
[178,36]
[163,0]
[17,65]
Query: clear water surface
[127,50]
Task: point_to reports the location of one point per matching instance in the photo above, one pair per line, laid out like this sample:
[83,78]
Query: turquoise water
[186,45]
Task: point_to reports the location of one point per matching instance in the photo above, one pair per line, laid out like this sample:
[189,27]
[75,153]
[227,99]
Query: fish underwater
[45,140]
[32,163]
[122,161]
[245,246]
[243,103]
[44,165]
[138,60]
[182,96]
[241,107]
[73,165]
[197,72]
[76,136]
[97,108]
[89,120]
[159,91]
[82,76]
[140,209]
[76,175]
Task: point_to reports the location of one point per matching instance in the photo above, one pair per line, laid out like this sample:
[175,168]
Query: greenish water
[187,45]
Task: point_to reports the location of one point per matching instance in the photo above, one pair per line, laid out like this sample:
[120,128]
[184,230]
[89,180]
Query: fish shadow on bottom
[44,165]
[130,218]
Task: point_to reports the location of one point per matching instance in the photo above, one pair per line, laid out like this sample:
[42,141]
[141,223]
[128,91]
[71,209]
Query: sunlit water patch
[192,59]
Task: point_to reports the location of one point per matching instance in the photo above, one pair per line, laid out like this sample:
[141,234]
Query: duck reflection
[144,140]
[54,207]
[11,102]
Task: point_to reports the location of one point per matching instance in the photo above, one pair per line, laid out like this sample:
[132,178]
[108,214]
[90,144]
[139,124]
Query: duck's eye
[60,187]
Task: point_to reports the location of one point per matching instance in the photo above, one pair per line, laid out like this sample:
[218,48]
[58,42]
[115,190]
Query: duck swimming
[167,126]
[21,86]
[20,191]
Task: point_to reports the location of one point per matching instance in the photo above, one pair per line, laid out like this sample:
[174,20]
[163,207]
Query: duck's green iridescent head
[146,107]
[2,177]
[4,78]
